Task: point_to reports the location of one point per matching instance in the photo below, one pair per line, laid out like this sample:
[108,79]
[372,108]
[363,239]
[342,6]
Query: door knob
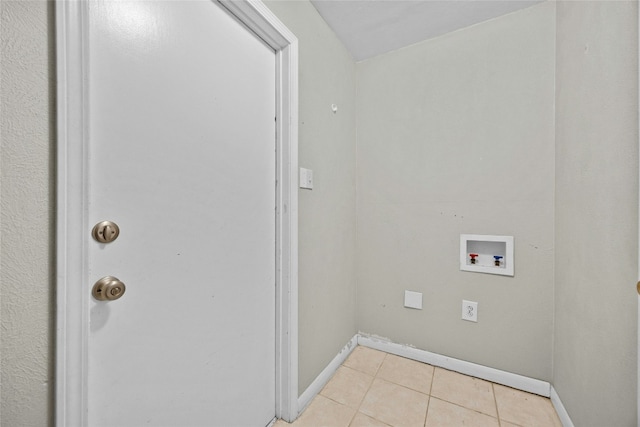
[105,231]
[108,288]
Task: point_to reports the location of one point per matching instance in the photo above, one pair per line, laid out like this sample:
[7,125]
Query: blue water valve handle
[497,258]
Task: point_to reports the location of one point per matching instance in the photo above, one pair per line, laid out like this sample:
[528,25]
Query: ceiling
[371,27]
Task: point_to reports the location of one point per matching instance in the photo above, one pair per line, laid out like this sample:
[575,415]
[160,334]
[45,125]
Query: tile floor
[373,388]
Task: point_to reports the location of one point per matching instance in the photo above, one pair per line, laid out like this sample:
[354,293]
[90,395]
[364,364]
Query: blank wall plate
[469,311]
[413,299]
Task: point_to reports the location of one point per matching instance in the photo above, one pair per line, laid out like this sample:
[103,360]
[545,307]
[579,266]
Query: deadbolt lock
[105,231]
[108,288]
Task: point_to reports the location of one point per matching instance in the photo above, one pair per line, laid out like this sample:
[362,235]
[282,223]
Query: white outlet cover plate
[413,299]
[469,311]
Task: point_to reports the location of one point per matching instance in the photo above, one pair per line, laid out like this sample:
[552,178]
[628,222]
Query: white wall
[27,227]
[327,213]
[456,136]
[595,360]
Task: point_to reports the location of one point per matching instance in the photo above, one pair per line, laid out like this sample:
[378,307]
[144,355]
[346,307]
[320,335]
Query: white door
[181,150]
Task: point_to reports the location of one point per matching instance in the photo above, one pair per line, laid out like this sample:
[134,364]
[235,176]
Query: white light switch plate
[413,299]
[306,178]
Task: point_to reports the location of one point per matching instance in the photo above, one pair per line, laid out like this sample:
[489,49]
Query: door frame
[73,287]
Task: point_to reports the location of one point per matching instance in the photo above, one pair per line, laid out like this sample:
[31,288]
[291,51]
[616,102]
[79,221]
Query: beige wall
[456,136]
[27,197]
[595,360]
[327,213]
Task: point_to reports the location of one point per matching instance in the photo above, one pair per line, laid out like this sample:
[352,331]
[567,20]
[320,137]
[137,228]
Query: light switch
[306,178]
[413,299]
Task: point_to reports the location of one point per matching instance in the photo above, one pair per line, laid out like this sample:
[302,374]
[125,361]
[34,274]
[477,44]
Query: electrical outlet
[469,311]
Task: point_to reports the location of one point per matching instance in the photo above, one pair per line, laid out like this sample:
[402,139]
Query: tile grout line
[371,385]
[357,409]
[375,375]
[495,400]
[390,381]
[468,409]
[433,375]
[406,387]
[443,399]
[381,363]
[368,388]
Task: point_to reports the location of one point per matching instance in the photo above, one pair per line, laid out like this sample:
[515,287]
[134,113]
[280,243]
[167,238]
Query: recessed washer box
[486,254]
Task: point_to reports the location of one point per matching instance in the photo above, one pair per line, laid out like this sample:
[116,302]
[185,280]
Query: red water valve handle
[473,258]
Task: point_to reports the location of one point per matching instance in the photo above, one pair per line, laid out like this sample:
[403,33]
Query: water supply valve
[497,259]
[473,258]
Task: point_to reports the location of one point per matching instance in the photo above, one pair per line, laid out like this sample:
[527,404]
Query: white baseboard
[509,379]
[321,380]
[560,409]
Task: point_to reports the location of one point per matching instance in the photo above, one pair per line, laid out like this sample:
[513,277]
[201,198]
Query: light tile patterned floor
[373,388]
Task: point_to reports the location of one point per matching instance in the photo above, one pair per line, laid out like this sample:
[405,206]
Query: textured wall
[595,360]
[456,136]
[326,213]
[27,219]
